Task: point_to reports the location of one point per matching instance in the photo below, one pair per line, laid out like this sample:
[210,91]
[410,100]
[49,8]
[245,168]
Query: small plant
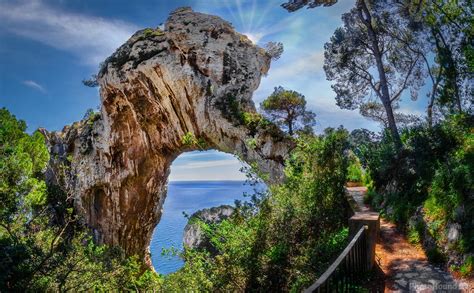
[252,143]
[149,32]
[190,140]
[354,171]
[91,116]
[70,158]
[467,268]
[415,233]
[230,108]
[274,49]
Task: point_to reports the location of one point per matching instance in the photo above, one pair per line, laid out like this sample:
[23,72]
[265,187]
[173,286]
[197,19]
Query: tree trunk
[290,127]
[429,113]
[385,95]
[432,97]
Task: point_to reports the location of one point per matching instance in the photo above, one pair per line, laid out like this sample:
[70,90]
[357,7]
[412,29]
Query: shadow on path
[405,266]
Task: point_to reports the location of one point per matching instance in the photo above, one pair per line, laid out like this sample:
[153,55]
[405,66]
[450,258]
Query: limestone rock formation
[164,92]
[193,236]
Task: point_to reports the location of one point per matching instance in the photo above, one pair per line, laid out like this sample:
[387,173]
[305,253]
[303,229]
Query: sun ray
[241,15]
[252,15]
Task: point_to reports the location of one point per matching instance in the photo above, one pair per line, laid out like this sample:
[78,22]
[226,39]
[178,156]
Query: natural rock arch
[163,93]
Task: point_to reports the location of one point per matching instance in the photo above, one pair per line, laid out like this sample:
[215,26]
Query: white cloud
[208,164]
[304,65]
[213,168]
[34,85]
[90,38]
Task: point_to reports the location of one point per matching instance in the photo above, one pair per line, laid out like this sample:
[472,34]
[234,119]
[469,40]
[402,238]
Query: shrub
[149,32]
[42,244]
[467,268]
[255,248]
[189,140]
[434,170]
[354,171]
[435,256]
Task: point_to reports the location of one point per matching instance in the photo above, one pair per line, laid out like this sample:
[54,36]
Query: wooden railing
[345,272]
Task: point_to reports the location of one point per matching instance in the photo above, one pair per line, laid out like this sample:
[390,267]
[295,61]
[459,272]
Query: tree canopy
[294,5]
[287,108]
[369,63]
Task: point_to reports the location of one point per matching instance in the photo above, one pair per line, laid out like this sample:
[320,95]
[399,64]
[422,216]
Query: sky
[48,46]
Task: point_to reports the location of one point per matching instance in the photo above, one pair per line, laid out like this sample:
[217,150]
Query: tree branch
[403,87]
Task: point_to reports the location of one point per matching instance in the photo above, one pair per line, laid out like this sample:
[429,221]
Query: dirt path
[404,265]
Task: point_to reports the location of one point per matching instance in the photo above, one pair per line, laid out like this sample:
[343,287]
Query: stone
[193,236]
[163,93]
[453,232]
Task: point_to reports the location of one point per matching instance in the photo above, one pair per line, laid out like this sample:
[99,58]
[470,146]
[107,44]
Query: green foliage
[255,121]
[373,198]
[42,246]
[467,268]
[434,171]
[256,248]
[251,143]
[22,158]
[448,27]
[231,108]
[354,171]
[91,116]
[415,233]
[189,140]
[287,108]
[149,32]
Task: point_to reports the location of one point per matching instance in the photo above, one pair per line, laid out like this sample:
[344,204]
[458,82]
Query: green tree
[287,108]
[440,28]
[42,245]
[367,60]
[254,249]
[447,31]
[375,111]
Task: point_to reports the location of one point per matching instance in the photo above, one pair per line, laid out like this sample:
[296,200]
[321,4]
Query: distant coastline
[189,196]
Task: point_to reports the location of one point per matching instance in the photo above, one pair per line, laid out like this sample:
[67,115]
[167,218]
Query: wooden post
[372,221]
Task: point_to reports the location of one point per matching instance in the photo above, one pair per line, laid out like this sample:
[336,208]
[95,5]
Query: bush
[42,246]
[434,170]
[256,249]
[467,268]
[435,256]
[354,171]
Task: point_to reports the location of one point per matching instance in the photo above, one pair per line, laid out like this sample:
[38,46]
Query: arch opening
[162,95]
[198,180]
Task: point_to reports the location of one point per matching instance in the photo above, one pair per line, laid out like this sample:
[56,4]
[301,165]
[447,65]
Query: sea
[188,197]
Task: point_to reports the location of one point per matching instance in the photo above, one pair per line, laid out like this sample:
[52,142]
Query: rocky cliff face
[193,236]
[164,92]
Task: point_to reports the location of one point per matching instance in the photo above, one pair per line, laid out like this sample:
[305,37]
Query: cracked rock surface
[164,92]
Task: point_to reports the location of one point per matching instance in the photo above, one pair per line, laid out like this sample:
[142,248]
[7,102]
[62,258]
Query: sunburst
[248,16]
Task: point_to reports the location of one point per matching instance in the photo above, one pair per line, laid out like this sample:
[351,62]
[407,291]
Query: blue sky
[47,47]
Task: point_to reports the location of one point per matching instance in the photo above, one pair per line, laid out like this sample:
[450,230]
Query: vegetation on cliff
[427,188]
[277,240]
[420,174]
[280,240]
[43,245]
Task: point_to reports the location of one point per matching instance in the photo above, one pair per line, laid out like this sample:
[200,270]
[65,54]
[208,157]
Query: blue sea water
[188,197]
